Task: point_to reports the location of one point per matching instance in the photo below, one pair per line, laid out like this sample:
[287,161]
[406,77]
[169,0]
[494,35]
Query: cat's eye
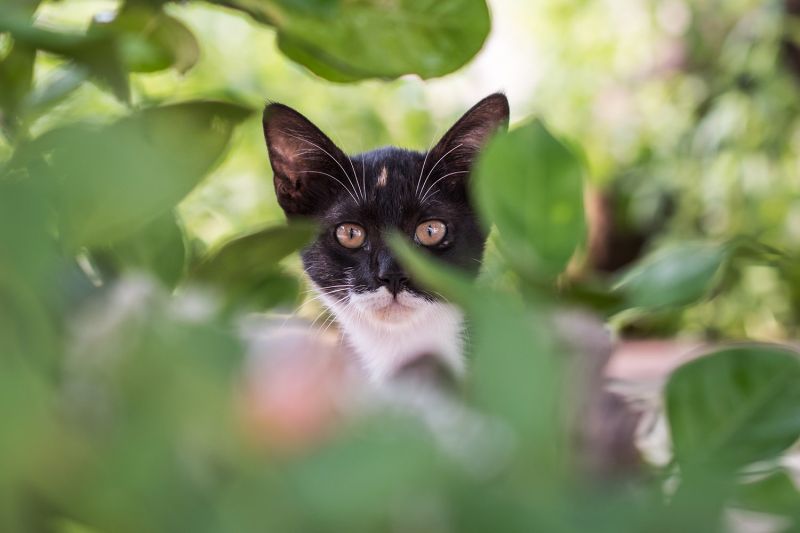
[350,235]
[431,232]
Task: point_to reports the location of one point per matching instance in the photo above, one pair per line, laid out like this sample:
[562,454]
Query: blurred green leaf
[776,494]
[150,40]
[161,438]
[99,53]
[385,464]
[16,77]
[513,356]
[55,88]
[32,280]
[673,275]
[158,248]
[734,407]
[348,41]
[246,268]
[531,186]
[250,255]
[25,400]
[110,181]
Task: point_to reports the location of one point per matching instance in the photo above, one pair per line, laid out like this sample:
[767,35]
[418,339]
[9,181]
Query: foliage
[120,377]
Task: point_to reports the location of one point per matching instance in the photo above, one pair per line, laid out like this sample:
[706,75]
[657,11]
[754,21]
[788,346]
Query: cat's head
[357,201]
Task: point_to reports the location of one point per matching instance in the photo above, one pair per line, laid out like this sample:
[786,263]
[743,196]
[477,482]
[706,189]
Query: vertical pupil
[352,233]
[430,230]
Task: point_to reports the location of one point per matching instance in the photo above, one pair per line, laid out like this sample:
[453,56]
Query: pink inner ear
[475,138]
[286,146]
[475,127]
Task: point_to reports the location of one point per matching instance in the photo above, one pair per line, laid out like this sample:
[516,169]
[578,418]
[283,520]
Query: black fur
[314,178]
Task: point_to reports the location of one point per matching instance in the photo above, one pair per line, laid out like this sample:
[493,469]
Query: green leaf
[99,53]
[111,181]
[159,248]
[531,186]
[247,268]
[250,255]
[675,275]
[347,41]
[164,383]
[384,462]
[512,368]
[150,40]
[775,494]
[16,77]
[58,85]
[734,407]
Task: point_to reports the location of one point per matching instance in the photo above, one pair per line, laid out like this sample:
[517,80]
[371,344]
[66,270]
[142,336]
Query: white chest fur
[387,333]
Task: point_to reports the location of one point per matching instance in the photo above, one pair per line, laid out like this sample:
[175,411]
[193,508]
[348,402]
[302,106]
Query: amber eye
[431,232]
[350,235]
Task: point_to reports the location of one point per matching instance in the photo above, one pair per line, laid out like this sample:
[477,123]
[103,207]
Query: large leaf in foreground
[110,181]
[531,186]
[512,364]
[347,41]
[735,407]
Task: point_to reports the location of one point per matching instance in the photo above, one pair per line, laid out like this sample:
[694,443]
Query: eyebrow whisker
[437,163]
[329,155]
[337,181]
[428,190]
[355,177]
[419,179]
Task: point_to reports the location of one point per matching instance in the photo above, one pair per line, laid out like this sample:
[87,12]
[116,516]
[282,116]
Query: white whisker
[428,190]
[329,308]
[437,164]
[419,179]
[355,177]
[329,155]
[334,178]
[363,173]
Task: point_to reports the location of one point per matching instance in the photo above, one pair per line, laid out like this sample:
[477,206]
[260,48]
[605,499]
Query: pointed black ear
[308,169]
[459,147]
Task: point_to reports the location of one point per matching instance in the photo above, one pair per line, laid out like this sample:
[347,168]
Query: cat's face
[357,201]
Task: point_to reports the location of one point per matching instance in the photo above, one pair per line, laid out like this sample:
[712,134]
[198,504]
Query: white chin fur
[387,332]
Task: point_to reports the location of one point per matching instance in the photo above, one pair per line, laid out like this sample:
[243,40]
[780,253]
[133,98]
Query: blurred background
[686,111]
[133,175]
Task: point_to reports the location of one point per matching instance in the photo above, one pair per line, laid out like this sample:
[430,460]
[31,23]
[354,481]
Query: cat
[386,318]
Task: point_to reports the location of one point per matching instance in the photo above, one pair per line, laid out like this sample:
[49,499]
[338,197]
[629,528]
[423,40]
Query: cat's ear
[306,164]
[459,147]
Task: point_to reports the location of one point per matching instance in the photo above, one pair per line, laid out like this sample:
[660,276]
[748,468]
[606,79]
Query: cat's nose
[389,272]
[394,281]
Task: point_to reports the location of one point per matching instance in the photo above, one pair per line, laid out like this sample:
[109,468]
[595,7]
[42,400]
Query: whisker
[324,328]
[432,195]
[334,178]
[437,164]
[355,177]
[442,296]
[297,310]
[428,190]
[329,155]
[329,308]
[419,179]
[363,173]
[322,289]
[318,297]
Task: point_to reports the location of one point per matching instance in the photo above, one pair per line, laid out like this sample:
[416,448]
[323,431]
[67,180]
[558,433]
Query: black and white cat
[386,318]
